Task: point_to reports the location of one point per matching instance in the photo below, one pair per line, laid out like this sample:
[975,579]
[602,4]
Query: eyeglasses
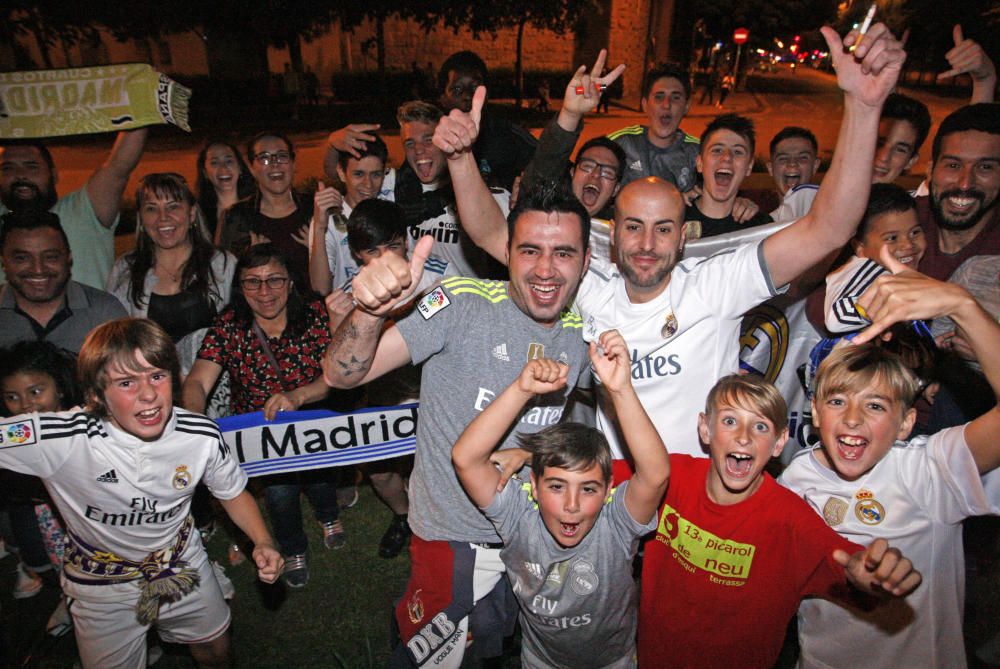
[606,172]
[253,284]
[279,158]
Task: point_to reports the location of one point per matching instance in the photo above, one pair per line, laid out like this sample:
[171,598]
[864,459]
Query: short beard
[41,201]
[959,226]
[633,277]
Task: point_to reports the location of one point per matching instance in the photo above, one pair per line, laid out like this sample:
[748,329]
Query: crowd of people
[582,397]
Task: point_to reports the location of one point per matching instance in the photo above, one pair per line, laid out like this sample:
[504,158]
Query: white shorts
[109,637]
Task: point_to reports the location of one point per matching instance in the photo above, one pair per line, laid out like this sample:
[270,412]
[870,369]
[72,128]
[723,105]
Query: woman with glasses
[272,341]
[275,213]
[223,180]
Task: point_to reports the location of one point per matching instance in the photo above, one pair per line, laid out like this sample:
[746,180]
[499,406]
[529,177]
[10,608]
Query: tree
[48,23]
[488,17]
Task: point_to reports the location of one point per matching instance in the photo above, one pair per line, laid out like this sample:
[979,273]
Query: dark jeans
[283,493]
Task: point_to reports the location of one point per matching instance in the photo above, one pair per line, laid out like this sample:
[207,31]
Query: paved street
[809,98]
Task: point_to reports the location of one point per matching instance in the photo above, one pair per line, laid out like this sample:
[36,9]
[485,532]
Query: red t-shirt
[939,265]
[720,583]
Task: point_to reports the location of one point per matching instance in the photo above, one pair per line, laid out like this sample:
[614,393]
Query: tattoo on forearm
[348,336]
[353,366]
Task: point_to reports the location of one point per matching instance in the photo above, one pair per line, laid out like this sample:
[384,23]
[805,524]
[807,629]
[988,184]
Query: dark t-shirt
[701,225]
[182,313]
[502,151]
[939,265]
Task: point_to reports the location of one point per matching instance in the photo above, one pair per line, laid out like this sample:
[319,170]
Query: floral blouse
[235,347]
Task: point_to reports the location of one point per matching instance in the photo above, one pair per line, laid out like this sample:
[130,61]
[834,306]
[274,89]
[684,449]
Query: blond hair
[851,368]
[750,393]
[418,111]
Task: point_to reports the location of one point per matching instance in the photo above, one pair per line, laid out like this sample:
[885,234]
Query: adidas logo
[108,477]
[637,165]
[500,352]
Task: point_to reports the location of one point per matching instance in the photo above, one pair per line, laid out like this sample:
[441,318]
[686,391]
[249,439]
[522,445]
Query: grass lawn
[340,619]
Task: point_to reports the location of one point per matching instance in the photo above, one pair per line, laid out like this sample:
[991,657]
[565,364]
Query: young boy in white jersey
[568,543]
[331,263]
[864,479]
[890,223]
[122,473]
[735,551]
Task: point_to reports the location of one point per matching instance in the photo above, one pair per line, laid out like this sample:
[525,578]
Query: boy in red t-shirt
[734,553]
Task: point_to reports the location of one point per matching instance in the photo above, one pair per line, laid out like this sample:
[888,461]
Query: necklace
[175,273]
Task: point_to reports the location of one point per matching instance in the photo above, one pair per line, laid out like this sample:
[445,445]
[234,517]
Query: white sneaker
[27,585]
[60,622]
[225,583]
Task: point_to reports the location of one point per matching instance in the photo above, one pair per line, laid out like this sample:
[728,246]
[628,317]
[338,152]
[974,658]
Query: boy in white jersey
[122,473]
[568,544]
[865,480]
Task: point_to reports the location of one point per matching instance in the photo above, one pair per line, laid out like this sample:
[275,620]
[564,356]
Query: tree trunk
[519,64]
[380,44]
[295,54]
[42,38]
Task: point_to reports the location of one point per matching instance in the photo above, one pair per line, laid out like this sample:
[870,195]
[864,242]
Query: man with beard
[39,301]
[683,326]
[960,217]
[89,215]
[473,338]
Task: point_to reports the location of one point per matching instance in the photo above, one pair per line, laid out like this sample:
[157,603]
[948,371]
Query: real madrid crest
[182,478]
[868,509]
[834,511]
[415,607]
[669,328]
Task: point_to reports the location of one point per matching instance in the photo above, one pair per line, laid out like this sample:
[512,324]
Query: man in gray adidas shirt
[474,337]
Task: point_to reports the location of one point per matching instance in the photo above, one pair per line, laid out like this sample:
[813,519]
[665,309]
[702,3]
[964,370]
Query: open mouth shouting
[739,465]
[723,177]
[150,417]
[425,170]
[791,179]
[851,447]
[590,195]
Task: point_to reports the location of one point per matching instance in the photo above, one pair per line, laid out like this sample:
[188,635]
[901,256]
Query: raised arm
[320,277]
[556,143]
[867,76]
[908,295]
[107,183]
[612,364]
[348,139]
[362,348]
[471,453]
[481,216]
[968,57]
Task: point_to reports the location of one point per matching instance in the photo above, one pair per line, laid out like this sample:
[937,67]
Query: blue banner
[300,440]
